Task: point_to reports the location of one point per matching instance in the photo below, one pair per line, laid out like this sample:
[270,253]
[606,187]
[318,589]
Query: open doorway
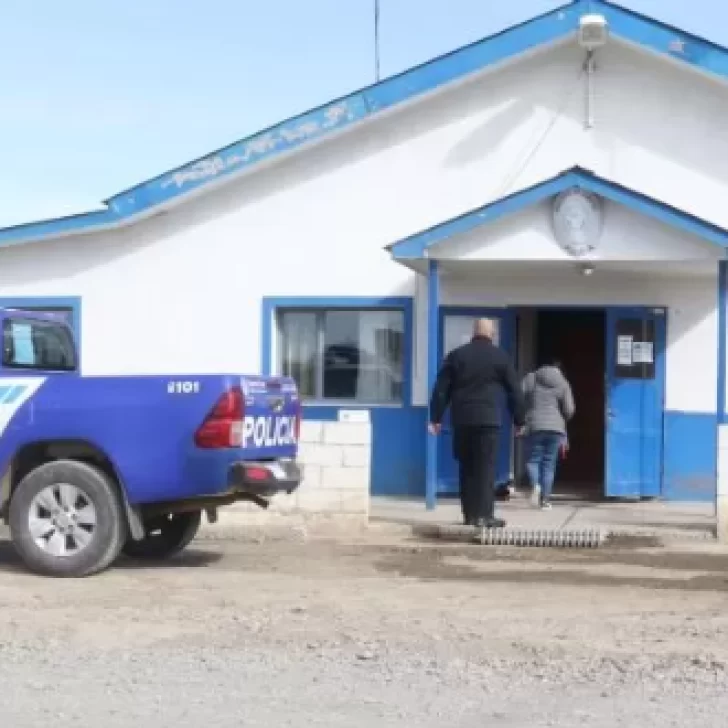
[577,338]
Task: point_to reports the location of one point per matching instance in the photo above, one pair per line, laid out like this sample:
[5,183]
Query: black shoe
[490,523]
[503,494]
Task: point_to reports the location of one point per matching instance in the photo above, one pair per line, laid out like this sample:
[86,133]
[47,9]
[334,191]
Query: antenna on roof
[377,75]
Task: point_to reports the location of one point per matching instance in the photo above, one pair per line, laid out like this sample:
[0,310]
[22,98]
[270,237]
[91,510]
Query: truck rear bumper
[265,478]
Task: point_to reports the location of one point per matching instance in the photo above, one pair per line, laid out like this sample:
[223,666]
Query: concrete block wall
[722,494]
[336,458]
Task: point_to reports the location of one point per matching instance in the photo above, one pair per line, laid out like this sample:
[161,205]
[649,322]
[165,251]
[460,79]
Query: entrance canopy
[575,218]
[431,243]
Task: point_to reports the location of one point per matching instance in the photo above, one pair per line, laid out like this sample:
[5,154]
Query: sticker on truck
[183,387]
[14,393]
[268,431]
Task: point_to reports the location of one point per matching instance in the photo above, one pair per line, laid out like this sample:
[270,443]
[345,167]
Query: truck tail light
[223,426]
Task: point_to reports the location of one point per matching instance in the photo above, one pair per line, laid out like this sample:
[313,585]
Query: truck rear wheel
[66,519]
[165,536]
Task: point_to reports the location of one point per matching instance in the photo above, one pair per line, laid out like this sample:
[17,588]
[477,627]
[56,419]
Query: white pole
[590,90]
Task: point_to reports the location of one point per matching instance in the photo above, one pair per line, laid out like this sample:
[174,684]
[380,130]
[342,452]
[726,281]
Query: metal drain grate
[546,538]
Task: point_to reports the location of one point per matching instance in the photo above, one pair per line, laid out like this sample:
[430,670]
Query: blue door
[456,328]
[635,392]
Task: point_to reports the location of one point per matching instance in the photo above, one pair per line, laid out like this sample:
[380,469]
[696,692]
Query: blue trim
[414,247]
[267,328]
[690,456]
[664,39]
[71,302]
[494,49]
[433,338]
[722,323]
[316,124]
[270,304]
[57,227]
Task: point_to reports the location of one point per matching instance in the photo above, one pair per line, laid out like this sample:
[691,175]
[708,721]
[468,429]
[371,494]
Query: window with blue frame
[343,355]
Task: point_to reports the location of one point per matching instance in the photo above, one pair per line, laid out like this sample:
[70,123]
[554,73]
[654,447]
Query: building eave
[224,165]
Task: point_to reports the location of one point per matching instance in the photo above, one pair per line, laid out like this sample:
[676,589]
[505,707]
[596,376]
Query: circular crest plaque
[577,220]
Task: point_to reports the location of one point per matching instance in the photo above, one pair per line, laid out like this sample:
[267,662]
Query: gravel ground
[371,634]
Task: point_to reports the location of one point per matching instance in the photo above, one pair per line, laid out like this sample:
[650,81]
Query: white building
[349,245]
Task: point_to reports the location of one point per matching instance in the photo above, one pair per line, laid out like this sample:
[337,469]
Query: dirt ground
[371,633]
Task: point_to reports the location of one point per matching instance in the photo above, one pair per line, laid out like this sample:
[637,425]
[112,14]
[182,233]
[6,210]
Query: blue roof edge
[416,247]
[173,186]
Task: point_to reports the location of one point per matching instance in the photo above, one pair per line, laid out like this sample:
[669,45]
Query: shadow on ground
[568,567]
[192,558]
[631,564]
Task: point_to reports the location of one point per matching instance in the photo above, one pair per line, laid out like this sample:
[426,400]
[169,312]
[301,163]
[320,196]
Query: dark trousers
[476,449]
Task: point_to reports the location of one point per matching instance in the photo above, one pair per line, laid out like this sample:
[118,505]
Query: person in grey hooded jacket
[549,406]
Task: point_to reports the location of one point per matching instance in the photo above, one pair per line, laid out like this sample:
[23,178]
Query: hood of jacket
[550,377]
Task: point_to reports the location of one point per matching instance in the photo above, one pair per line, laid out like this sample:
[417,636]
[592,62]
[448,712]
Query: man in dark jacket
[470,382]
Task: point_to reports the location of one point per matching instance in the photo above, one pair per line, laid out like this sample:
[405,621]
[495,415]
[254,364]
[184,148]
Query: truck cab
[93,466]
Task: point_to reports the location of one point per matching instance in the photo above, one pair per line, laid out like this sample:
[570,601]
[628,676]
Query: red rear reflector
[254,473]
[223,426]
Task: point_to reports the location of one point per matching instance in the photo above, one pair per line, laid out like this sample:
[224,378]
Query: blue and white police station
[567,177]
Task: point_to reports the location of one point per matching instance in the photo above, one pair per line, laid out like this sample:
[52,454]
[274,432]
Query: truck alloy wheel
[62,520]
[66,519]
[166,536]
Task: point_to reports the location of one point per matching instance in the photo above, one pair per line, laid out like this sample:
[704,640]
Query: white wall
[181,292]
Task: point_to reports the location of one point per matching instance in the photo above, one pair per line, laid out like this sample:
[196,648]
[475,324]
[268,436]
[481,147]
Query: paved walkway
[688,520]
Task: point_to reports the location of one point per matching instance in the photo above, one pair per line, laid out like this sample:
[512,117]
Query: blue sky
[99,96]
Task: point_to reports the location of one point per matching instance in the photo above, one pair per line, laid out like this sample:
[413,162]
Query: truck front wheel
[66,519]
[165,536]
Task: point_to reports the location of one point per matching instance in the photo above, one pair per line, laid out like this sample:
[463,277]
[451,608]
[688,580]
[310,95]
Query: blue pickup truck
[93,466]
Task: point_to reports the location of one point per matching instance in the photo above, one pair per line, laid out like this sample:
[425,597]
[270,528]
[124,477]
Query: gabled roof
[172,187]
[418,246]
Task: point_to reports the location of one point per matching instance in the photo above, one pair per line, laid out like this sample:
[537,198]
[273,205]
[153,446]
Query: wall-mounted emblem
[577,221]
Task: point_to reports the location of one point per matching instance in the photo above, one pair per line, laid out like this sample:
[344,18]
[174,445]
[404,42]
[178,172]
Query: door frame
[507,335]
[660,364]
[511,311]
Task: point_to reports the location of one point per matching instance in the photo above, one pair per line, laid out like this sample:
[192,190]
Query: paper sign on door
[624,351]
[642,352]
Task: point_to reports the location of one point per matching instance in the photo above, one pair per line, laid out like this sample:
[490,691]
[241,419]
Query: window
[344,354]
[35,344]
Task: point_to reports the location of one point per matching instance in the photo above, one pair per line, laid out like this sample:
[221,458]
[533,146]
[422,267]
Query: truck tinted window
[45,345]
